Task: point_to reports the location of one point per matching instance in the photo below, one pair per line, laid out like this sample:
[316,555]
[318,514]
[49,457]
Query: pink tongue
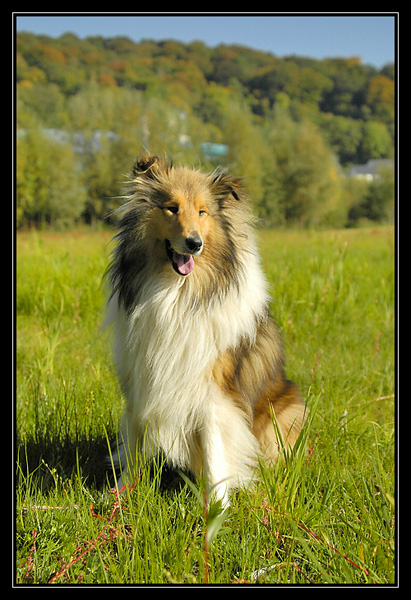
[184,262]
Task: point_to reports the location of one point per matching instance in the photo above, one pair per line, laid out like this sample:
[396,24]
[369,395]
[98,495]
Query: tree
[346,96]
[380,98]
[106,160]
[376,142]
[302,84]
[213,105]
[49,188]
[344,135]
[304,171]
[382,196]
[377,202]
[246,148]
[45,102]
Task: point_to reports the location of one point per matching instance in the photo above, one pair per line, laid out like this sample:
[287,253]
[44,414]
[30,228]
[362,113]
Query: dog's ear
[146,165]
[224,184]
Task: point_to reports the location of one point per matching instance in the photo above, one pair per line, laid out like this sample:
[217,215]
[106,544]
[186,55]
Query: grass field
[325,515]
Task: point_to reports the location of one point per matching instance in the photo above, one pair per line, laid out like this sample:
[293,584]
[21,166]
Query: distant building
[214,151]
[370,171]
[78,140]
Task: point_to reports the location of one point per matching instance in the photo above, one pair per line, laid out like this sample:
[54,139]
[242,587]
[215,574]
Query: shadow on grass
[68,442]
[42,460]
[45,458]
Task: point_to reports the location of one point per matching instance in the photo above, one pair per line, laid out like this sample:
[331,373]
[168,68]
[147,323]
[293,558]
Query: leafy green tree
[354,192]
[93,108]
[213,105]
[303,84]
[44,102]
[377,201]
[382,196]
[305,169]
[376,142]
[49,188]
[26,184]
[246,148]
[344,135]
[106,161]
[380,98]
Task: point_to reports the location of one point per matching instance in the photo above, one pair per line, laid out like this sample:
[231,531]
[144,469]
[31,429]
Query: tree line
[292,127]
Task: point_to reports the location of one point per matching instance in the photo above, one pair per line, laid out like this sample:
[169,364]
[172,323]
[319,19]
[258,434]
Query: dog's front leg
[215,464]
[229,447]
[216,441]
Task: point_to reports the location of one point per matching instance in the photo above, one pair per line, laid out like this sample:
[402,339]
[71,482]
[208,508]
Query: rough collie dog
[199,359]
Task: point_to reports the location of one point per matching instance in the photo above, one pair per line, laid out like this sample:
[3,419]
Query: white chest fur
[165,351]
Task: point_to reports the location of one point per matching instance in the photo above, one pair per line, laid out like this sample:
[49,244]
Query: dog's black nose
[194,244]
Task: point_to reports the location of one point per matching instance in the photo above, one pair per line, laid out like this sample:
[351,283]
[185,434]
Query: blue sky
[372,36]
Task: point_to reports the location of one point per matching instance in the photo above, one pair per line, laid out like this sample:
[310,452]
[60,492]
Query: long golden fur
[199,358]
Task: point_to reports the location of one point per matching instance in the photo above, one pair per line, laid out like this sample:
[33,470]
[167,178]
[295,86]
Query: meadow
[325,514]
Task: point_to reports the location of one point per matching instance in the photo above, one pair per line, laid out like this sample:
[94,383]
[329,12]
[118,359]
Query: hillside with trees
[291,127]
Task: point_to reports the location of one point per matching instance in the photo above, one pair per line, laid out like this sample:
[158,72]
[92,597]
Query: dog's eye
[202,212]
[171,209]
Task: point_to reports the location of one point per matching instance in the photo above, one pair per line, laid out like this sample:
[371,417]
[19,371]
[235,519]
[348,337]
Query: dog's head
[188,208]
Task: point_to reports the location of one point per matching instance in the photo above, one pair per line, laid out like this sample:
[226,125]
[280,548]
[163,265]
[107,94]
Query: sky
[370,36]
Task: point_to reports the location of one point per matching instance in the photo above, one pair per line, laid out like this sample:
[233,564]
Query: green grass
[322,515]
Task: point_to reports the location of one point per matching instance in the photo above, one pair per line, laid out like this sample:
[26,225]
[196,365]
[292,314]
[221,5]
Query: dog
[199,359]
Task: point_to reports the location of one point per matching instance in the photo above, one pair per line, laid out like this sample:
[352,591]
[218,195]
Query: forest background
[292,127]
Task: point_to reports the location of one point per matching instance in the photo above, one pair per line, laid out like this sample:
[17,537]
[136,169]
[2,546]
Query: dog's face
[183,224]
[185,217]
